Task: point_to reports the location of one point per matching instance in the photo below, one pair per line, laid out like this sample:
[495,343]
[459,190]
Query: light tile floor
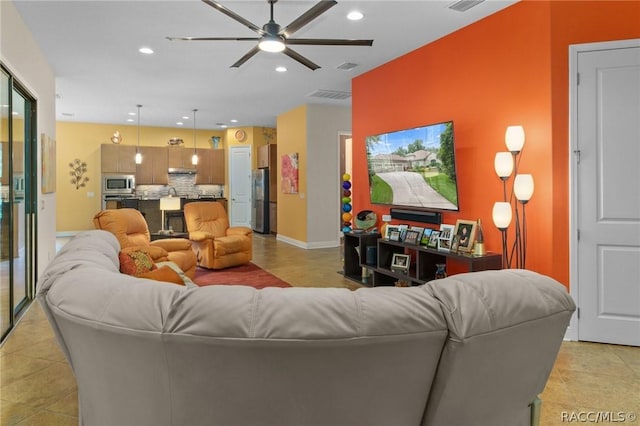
[37,386]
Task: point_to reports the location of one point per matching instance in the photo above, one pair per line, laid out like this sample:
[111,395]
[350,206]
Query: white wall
[23,58]
[324,125]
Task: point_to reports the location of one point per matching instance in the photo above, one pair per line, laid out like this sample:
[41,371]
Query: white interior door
[240,186]
[607,164]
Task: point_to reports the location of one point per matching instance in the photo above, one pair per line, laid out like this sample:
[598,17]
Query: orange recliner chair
[217,245]
[130,228]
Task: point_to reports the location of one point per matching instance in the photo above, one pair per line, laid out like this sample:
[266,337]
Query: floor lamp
[506,165]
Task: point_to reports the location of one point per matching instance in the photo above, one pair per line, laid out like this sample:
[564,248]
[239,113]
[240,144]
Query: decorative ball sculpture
[346,203]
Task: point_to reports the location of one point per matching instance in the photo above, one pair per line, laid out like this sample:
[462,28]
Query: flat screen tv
[414,168]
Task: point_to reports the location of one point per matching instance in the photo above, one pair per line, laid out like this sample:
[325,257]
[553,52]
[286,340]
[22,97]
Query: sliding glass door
[17,217]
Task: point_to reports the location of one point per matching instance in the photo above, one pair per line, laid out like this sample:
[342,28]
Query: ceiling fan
[274,38]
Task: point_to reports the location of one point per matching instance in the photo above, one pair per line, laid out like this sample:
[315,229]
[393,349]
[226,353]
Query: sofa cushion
[135,262]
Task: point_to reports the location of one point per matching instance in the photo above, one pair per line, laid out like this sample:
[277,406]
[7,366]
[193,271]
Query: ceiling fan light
[271,44]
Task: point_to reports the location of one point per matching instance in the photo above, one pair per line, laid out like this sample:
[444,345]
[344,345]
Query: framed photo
[446,235]
[426,234]
[389,230]
[403,231]
[420,231]
[400,262]
[433,239]
[455,243]
[394,235]
[412,237]
[466,231]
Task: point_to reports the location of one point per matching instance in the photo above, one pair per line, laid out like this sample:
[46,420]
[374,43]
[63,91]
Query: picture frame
[412,237]
[446,235]
[433,239]
[394,235]
[426,234]
[403,231]
[466,230]
[389,230]
[455,243]
[418,229]
[400,262]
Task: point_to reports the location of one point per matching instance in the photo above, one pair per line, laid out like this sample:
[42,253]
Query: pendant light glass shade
[503,164]
[502,214]
[194,157]
[138,155]
[514,138]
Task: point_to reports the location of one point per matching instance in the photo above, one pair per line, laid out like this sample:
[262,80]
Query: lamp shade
[170,203]
[138,158]
[502,214]
[503,164]
[523,187]
[194,159]
[514,138]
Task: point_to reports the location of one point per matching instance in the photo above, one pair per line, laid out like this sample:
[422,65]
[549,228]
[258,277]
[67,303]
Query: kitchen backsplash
[185,186]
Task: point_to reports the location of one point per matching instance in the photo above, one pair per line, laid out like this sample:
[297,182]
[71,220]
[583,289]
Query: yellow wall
[255,137]
[292,137]
[76,208]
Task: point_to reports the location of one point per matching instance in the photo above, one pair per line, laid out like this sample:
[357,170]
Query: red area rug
[249,274]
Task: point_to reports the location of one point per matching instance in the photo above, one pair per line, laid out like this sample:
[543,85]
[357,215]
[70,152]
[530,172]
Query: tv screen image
[414,167]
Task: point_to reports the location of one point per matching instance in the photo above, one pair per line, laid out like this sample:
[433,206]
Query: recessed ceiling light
[281,69]
[355,15]
[131,114]
[179,123]
[233,120]
[184,117]
[146,50]
[130,120]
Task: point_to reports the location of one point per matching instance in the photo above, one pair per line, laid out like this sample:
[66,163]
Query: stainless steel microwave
[118,184]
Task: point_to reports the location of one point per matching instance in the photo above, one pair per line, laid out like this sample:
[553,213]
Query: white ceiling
[100,75]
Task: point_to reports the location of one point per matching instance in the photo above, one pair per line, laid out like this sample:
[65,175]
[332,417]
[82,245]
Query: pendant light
[194,158]
[138,155]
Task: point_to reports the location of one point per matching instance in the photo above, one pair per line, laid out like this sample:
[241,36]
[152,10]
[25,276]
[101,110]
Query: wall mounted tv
[414,168]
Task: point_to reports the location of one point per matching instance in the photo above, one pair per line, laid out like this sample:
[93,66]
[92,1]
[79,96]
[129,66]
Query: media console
[423,260]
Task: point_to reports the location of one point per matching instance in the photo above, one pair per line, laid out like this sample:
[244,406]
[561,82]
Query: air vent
[330,94]
[346,66]
[464,5]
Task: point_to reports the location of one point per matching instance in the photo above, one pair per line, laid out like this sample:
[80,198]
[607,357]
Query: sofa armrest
[200,236]
[173,244]
[239,230]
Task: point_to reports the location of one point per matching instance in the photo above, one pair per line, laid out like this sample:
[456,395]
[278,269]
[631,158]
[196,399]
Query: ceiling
[92,47]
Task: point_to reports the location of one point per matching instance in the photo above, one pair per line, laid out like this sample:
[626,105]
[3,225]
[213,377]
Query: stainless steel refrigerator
[260,197]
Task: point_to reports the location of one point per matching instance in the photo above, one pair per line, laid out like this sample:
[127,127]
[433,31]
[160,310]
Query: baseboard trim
[307,246]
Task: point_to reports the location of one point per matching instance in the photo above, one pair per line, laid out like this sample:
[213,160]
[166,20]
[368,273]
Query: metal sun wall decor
[77,173]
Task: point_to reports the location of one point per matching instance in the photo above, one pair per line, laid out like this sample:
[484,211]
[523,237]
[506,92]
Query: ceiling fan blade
[212,38]
[246,57]
[307,17]
[234,16]
[328,42]
[298,57]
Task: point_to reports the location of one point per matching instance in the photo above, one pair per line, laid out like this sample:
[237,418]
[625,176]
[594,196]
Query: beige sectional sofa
[469,350]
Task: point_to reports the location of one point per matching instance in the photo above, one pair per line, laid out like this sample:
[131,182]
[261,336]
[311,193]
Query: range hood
[182,170]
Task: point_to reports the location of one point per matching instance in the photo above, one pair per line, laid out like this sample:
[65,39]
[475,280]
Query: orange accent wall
[509,68]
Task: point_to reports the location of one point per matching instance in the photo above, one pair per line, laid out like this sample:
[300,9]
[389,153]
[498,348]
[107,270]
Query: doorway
[240,186]
[17,195]
[605,212]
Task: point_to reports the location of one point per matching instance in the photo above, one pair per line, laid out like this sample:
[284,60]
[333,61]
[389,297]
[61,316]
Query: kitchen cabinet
[155,163]
[118,159]
[210,169]
[180,158]
[273,218]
